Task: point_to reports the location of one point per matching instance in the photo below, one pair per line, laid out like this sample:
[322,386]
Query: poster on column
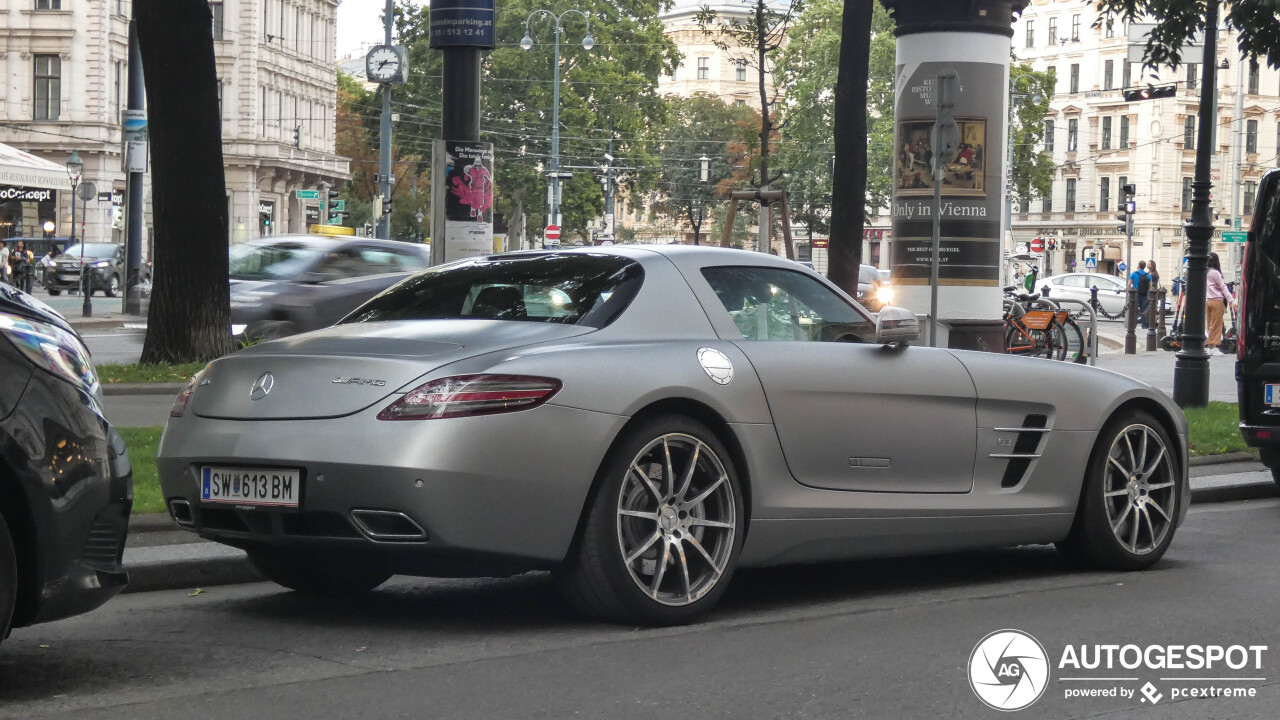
[461,200]
[971,185]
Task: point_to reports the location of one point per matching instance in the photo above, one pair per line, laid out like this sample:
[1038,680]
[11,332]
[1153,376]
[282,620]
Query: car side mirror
[896,325]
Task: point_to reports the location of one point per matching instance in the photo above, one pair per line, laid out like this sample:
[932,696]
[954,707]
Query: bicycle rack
[1056,304]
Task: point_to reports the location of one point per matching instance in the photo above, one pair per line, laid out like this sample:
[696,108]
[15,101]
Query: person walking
[1139,280]
[4,262]
[1217,297]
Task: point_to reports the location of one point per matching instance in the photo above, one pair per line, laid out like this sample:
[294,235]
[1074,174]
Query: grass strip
[136,373]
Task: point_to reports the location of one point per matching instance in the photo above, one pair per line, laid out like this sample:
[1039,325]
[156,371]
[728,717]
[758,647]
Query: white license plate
[272,487]
[1271,394]
[68,278]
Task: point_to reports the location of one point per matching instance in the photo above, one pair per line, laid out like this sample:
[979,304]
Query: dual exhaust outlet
[380,525]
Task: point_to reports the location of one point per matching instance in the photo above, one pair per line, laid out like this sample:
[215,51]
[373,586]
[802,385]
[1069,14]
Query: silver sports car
[644,420]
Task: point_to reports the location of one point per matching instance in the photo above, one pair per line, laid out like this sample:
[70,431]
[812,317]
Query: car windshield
[571,288]
[277,261]
[92,250]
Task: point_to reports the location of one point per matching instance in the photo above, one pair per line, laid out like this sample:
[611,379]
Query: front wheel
[316,576]
[663,529]
[113,286]
[1129,505]
[54,291]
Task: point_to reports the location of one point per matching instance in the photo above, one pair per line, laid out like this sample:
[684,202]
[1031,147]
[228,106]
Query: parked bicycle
[1036,326]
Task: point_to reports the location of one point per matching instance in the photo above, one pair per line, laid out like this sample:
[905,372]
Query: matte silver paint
[927,427]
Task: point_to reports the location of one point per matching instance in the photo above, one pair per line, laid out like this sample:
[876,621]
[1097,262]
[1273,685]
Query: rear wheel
[54,292]
[306,573]
[663,530]
[1131,496]
[113,286]
[8,578]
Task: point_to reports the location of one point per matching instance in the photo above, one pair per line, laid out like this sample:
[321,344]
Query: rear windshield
[573,289]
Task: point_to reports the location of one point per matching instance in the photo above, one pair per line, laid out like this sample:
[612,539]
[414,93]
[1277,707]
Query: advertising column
[972,40]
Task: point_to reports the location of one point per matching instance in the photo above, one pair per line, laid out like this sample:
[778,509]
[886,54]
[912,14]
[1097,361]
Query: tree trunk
[849,179]
[190,318]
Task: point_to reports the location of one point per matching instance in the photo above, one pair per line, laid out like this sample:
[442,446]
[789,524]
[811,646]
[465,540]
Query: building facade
[1099,142]
[66,84]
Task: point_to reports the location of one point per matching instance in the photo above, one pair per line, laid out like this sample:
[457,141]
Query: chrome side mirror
[896,325]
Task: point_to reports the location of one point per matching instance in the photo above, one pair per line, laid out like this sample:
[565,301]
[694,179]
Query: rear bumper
[499,489]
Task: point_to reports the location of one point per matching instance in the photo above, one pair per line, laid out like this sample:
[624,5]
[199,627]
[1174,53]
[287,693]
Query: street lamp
[704,168]
[75,167]
[527,44]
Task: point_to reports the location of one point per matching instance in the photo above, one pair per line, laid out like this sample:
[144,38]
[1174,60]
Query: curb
[79,324]
[189,573]
[1222,459]
[142,388]
[151,522]
[1235,493]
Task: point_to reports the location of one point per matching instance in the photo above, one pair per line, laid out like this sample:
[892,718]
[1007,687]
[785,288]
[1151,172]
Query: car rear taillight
[180,402]
[1240,296]
[467,395]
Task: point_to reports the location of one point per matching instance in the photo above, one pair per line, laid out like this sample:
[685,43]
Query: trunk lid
[346,368]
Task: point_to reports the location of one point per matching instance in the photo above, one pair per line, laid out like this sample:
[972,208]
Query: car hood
[346,368]
[17,302]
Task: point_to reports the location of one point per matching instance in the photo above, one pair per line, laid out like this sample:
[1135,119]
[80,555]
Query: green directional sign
[308,194]
[337,206]
[1234,236]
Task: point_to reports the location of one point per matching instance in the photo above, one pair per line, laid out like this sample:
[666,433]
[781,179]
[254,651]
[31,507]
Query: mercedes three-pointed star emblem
[262,386]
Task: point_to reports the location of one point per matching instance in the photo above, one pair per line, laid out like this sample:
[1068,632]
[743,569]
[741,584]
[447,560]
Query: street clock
[387,64]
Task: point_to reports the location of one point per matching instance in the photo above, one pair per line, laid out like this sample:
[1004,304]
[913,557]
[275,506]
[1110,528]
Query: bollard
[1152,299]
[1131,321]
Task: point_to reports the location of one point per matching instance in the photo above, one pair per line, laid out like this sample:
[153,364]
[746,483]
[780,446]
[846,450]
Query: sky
[359,21]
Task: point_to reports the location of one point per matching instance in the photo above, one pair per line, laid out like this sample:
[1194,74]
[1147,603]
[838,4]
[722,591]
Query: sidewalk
[161,556]
[1156,367]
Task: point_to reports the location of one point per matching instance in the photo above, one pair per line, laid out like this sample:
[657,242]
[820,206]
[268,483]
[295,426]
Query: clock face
[382,63]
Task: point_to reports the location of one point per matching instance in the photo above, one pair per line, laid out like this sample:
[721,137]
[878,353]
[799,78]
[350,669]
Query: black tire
[8,579]
[54,292]
[596,577]
[1046,344]
[113,287]
[316,576]
[1077,349]
[1092,539]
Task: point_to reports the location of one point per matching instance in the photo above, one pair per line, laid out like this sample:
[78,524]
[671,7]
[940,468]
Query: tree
[701,126]
[806,67]
[1177,21]
[1032,172]
[849,181]
[190,316]
[764,34]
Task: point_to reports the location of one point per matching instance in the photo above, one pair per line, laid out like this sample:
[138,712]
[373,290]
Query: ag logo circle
[1008,670]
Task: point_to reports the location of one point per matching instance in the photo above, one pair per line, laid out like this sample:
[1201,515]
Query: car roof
[327,242]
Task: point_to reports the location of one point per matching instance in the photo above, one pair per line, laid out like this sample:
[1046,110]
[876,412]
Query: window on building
[1120,183]
[1071,195]
[1024,206]
[48,89]
[48,4]
[266,20]
[1253,77]
[1073,134]
[1124,132]
[1075,28]
[1046,202]
[1104,195]
[1109,75]
[1053,31]
[1075,78]
[1110,28]
[740,72]
[1106,133]
[297,30]
[220,99]
[118,88]
[1250,194]
[120,7]
[1053,73]
[1031,34]
[1251,136]
[215,7]
[1126,73]
[1193,75]
[739,103]
[1048,136]
[704,68]
[1186,194]
[1189,132]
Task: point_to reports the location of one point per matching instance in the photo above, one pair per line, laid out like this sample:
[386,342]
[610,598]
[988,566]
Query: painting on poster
[966,174]
[462,200]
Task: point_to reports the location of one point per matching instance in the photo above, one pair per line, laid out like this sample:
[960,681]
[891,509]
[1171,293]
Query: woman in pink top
[1216,298]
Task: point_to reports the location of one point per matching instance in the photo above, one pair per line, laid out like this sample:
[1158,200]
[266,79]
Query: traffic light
[368,229]
[1124,222]
[1151,92]
[333,195]
[297,136]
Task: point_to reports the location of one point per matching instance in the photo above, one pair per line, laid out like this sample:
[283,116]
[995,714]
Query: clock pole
[384,138]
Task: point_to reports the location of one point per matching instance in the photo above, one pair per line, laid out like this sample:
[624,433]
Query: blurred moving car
[106,269]
[66,484]
[1078,286]
[288,284]
[874,291]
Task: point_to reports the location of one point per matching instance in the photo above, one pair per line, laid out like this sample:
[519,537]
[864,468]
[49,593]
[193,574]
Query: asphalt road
[882,639]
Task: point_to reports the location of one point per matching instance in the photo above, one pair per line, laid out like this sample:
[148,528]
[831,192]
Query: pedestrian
[1139,280]
[1217,297]
[4,262]
[23,261]
[1030,282]
[1155,274]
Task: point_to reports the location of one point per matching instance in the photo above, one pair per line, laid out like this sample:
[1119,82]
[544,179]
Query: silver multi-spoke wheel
[1139,489]
[676,519]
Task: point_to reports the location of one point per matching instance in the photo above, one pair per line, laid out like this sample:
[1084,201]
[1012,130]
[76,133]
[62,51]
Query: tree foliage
[1032,172]
[1177,21]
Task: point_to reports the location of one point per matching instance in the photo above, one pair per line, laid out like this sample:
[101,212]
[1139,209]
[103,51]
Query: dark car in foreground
[289,284]
[66,484]
[1258,346]
[105,263]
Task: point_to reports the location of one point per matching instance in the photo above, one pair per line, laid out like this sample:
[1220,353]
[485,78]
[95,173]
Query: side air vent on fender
[1025,448]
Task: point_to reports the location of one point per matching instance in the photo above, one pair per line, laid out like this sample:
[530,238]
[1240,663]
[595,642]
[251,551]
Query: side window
[411,261]
[1076,281]
[345,263]
[1269,229]
[783,305]
[381,261]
